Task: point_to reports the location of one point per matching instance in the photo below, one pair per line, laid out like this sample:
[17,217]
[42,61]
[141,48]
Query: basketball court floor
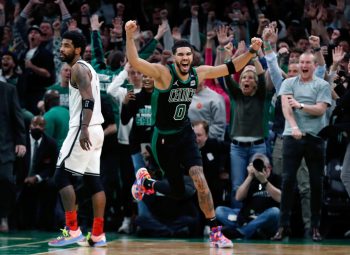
[36,243]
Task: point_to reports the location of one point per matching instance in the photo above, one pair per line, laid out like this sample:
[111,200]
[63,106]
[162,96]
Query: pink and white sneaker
[137,189]
[218,240]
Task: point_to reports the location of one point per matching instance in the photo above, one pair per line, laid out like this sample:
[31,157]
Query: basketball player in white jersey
[81,150]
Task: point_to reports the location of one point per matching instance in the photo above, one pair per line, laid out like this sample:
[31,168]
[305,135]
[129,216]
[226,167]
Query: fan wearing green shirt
[56,117]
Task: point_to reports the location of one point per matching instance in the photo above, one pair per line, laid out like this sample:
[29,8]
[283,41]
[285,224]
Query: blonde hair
[246,71]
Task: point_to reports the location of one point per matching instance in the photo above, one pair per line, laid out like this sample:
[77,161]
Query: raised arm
[316,46]
[271,60]
[210,72]
[153,70]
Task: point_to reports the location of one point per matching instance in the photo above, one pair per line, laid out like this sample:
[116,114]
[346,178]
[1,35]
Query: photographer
[258,217]
[337,132]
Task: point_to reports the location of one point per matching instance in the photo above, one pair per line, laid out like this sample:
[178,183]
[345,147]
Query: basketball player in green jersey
[174,142]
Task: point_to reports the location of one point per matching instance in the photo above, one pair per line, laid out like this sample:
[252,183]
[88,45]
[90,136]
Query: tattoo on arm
[204,195]
[81,76]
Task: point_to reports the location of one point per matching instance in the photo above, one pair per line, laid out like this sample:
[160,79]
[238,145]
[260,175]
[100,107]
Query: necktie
[35,152]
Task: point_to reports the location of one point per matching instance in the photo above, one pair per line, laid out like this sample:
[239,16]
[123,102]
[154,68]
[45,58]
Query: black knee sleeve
[62,178]
[93,183]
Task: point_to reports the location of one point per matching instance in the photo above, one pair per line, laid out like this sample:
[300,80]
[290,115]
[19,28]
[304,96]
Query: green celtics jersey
[170,107]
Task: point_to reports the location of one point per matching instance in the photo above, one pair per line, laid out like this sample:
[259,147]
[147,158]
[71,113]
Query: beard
[67,58]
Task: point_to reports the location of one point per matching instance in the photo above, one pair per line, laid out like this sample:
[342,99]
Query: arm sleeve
[320,71]
[274,70]
[194,33]
[168,39]
[97,49]
[17,118]
[232,86]
[114,88]
[148,49]
[217,127]
[127,112]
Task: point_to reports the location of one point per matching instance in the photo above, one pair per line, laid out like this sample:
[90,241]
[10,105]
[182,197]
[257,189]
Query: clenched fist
[256,43]
[130,27]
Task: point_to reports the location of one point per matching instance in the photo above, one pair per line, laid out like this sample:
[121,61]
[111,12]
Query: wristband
[316,49]
[251,50]
[88,104]
[230,67]
[268,48]
[294,128]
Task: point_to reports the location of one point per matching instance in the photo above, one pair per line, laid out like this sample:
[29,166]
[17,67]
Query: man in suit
[38,195]
[12,144]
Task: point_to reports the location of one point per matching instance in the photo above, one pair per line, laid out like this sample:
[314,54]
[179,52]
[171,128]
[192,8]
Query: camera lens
[258,164]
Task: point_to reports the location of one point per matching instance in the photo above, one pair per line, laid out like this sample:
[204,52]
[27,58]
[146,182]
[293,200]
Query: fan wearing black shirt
[260,198]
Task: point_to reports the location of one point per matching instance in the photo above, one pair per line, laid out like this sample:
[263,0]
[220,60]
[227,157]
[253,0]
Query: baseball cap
[34,27]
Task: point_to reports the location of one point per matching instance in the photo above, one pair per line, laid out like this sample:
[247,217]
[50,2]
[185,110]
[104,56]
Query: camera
[341,77]
[258,164]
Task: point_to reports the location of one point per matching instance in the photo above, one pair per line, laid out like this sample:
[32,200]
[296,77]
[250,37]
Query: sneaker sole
[226,246]
[72,241]
[86,244]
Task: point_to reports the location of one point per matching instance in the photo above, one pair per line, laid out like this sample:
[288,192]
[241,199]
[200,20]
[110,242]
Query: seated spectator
[38,195]
[209,106]
[163,216]
[215,155]
[260,198]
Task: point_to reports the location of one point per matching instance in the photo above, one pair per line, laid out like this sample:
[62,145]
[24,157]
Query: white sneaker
[126,226]
[4,227]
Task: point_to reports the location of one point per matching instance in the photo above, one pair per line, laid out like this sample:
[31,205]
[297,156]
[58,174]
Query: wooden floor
[36,243]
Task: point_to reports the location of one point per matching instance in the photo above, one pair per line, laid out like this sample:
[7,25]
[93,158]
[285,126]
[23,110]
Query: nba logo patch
[193,83]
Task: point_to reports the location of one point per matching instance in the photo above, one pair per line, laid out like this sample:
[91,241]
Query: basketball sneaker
[68,237]
[218,240]
[93,241]
[137,189]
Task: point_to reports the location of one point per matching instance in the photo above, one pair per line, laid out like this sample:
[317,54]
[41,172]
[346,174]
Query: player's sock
[97,227]
[212,222]
[71,220]
[148,183]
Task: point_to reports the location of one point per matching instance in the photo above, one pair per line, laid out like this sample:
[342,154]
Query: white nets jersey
[75,101]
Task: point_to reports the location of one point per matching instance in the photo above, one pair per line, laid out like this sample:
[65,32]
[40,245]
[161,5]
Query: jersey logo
[175,83]
[193,83]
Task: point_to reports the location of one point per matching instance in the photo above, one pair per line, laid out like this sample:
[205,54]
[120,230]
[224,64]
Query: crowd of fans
[237,119]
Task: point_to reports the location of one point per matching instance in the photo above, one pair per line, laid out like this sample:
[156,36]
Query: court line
[23,244]
[56,251]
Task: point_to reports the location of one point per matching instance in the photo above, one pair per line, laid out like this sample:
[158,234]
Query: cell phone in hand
[129,87]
